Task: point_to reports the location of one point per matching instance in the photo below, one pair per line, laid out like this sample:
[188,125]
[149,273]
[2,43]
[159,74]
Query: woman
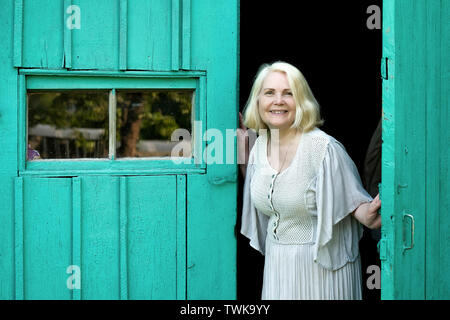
[303,199]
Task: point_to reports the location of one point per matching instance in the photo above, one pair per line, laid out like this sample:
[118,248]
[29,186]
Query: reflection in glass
[67,125]
[146,120]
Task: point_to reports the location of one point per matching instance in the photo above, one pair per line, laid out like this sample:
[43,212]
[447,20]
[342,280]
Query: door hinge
[384,68]
[382,249]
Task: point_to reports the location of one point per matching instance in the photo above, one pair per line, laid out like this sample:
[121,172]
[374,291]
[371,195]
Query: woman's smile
[279,112]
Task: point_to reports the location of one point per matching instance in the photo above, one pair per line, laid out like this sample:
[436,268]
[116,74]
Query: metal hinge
[384,68]
[382,249]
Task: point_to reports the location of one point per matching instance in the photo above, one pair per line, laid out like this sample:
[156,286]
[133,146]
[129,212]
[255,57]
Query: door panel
[96,44]
[127,235]
[415,150]
[151,237]
[42,46]
[47,241]
[404,132]
[100,245]
[438,152]
[149,50]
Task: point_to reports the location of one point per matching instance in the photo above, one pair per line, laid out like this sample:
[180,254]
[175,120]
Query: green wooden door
[415,68]
[104,223]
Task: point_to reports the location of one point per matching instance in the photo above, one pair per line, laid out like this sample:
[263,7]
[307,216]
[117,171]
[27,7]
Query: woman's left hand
[367,213]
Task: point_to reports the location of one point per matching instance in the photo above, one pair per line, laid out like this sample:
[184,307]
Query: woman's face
[276,104]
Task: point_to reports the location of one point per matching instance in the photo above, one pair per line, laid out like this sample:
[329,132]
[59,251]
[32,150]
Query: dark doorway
[329,41]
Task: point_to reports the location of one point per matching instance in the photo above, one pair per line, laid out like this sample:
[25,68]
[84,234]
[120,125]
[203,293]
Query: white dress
[300,220]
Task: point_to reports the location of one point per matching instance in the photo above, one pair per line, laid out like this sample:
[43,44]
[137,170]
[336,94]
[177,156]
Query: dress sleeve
[254,224]
[338,192]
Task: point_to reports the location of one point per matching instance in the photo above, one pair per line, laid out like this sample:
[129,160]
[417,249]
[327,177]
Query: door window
[118,119]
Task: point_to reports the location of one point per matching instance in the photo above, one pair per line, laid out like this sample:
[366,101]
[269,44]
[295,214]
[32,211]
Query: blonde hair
[307,115]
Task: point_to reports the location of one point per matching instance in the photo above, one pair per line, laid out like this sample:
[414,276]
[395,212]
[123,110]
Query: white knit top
[307,203]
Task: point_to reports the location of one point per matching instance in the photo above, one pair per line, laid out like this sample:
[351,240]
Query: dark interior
[340,58]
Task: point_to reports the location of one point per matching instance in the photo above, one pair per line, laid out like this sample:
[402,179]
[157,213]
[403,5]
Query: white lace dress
[300,220]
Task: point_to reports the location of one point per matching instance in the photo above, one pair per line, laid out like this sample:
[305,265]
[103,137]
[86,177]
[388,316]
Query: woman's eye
[288,93]
[268,93]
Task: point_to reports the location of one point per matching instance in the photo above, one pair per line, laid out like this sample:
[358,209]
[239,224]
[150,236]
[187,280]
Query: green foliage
[165,112]
[72,109]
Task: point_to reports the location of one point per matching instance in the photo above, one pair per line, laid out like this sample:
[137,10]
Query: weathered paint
[415,150]
[138,229]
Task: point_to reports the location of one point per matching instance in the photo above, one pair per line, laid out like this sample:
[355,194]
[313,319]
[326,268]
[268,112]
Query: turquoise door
[118,206]
[415,223]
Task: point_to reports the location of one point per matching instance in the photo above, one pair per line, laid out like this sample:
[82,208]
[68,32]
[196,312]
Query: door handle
[409,216]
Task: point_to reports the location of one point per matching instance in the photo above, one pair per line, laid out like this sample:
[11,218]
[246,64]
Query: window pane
[67,125]
[147,120]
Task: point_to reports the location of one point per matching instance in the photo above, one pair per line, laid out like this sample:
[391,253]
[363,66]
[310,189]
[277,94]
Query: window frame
[30,79]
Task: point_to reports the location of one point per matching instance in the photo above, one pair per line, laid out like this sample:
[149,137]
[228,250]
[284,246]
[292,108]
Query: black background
[340,58]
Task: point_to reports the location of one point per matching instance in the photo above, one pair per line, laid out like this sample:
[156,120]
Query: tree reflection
[75,124]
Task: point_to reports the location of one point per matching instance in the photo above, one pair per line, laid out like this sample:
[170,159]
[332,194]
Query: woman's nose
[278,99]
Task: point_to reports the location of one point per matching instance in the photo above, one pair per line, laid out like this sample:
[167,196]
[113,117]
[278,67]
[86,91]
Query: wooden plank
[94,82]
[123,34]
[181,237]
[404,176]
[433,114]
[8,155]
[128,73]
[410,150]
[96,44]
[200,115]
[152,239]
[100,238]
[214,35]
[43,33]
[444,156]
[22,123]
[18,239]
[123,240]
[76,232]
[388,152]
[175,34]
[213,208]
[151,49]
[130,168]
[186,35]
[67,39]
[18,32]
[47,235]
